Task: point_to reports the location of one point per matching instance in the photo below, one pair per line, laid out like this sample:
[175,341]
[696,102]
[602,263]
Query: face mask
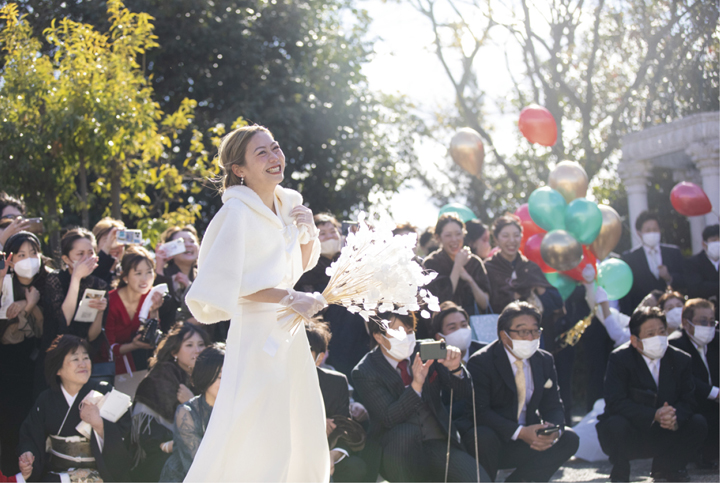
[329,247]
[655,347]
[401,349]
[460,338]
[524,349]
[28,267]
[713,250]
[651,239]
[703,335]
[674,317]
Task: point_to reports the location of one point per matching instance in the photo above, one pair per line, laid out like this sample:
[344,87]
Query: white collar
[649,361]
[70,399]
[512,357]
[392,361]
[648,248]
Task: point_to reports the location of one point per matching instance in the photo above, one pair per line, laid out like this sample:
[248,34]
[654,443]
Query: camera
[150,332]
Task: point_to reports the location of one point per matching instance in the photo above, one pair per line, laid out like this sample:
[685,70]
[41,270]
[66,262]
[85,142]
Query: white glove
[304,218]
[305,304]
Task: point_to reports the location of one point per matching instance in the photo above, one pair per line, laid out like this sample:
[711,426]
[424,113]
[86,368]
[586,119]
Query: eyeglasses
[705,323]
[535,333]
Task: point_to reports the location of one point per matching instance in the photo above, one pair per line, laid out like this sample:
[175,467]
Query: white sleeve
[616,330]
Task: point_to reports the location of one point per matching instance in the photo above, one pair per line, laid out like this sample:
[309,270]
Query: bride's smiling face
[264,163]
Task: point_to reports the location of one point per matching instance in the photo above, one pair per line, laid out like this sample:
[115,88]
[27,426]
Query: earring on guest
[175,358]
[242,181]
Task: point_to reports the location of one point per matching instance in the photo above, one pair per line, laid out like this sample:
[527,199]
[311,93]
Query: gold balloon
[609,235]
[561,250]
[570,179]
[468,151]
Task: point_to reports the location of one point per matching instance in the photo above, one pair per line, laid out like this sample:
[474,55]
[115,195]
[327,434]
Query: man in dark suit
[701,274]
[700,339]
[409,426]
[347,466]
[650,403]
[655,266]
[519,412]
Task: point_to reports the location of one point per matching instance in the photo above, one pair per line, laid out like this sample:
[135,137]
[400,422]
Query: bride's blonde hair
[232,152]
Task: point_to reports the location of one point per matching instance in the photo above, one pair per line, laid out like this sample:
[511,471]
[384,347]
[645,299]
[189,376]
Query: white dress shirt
[654,259]
[654,367]
[702,350]
[529,387]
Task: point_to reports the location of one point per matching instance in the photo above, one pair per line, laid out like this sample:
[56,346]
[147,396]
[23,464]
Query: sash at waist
[70,452]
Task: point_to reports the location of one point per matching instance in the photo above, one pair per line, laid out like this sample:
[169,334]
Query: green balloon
[547,209]
[583,219]
[563,283]
[465,213]
[615,276]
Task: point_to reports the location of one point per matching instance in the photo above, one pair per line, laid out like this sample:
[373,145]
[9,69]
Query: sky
[405,63]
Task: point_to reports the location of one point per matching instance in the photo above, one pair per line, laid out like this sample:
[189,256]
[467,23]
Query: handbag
[348,431]
[104,371]
[484,326]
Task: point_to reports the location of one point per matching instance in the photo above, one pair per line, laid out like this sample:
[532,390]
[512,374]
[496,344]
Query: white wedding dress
[268,422]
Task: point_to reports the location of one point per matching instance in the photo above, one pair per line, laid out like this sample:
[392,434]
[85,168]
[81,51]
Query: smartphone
[35,225]
[129,237]
[174,247]
[547,431]
[435,349]
[349,227]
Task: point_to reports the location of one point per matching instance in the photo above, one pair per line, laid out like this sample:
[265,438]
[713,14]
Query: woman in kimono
[268,422]
[191,418]
[57,413]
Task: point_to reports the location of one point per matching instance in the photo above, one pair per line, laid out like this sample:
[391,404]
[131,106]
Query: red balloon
[528,225]
[587,259]
[532,252]
[538,125]
[690,200]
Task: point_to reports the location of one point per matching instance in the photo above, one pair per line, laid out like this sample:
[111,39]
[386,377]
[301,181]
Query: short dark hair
[642,315]
[669,295]
[73,235]
[711,231]
[446,218]
[425,236]
[207,367]
[503,221]
[446,308]
[376,327]
[55,356]
[514,310]
[172,342]
[692,304]
[475,230]
[8,200]
[645,216]
[318,335]
[15,242]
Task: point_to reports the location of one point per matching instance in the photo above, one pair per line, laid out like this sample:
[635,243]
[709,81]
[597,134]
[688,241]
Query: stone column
[706,156]
[634,175]
[697,223]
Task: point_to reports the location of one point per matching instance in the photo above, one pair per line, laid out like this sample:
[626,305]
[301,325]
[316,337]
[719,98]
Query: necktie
[703,356]
[653,263]
[403,367]
[655,370]
[520,385]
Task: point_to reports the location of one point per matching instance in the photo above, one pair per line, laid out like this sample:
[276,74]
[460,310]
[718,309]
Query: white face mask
[674,318]
[329,247]
[28,267]
[713,250]
[703,335]
[655,347]
[651,239]
[401,349]
[460,338]
[524,349]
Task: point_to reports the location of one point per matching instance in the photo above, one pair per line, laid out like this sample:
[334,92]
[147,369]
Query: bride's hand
[303,303]
[304,217]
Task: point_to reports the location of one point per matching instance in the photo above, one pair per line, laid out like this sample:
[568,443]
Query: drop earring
[242,181]
[175,358]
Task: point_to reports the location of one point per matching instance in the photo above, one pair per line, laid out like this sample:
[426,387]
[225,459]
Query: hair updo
[232,152]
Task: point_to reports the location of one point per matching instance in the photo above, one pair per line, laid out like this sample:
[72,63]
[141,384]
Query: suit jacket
[701,278]
[630,389]
[644,281]
[335,392]
[699,371]
[496,394]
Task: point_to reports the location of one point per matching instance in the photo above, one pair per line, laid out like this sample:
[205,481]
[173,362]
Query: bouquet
[376,272]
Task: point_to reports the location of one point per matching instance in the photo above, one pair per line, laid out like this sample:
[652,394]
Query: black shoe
[620,472]
[676,475]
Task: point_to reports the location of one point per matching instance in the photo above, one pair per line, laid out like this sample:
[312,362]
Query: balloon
[538,125]
[609,233]
[532,252]
[468,151]
[529,227]
[615,277]
[583,219]
[690,200]
[462,211]
[563,283]
[587,259]
[570,179]
[560,250]
[547,209]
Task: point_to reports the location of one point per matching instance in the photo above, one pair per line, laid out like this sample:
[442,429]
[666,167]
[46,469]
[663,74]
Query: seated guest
[427,243]
[654,265]
[671,303]
[461,276]
[167,384]
[408,422]
[701,270]
[57,413]
[700,339]
[517,399]
[336,395]
[452,324]
[650,403]
[652,299]
[478,239]
[192,418]
[109,251]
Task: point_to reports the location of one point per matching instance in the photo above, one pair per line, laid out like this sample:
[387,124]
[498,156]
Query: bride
[268,423]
